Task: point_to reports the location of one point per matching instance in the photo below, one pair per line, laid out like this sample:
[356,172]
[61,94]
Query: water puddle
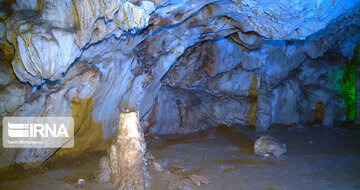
[59,173]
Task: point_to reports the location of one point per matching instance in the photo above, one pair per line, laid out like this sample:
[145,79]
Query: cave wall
[357,119]
[215,69]
[184,65]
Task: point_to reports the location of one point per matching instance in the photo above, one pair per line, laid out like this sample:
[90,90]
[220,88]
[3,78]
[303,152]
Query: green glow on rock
[348,91]
[344,84]
[348,86]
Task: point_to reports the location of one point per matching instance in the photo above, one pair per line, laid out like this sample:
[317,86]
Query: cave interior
[182,94]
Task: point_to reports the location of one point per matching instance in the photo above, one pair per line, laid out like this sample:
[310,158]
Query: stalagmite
[125,165]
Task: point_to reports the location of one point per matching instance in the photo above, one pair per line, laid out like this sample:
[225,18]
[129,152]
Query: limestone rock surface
[357,93]
[50,35]
[125,165]
[268,146]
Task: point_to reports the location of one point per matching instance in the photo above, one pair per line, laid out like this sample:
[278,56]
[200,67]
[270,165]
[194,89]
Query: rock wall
[180,111]
[357,92]
[280,98]
[184,65]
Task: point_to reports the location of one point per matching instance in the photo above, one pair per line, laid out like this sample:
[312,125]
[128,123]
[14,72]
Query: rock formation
[184,65]
[125,165]
[268,146]
[357,93]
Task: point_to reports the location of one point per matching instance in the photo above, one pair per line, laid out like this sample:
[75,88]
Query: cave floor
[317,158]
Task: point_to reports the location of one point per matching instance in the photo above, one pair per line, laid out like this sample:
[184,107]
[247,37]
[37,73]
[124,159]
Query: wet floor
[317,158]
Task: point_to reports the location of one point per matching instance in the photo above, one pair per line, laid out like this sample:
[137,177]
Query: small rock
[198,180]
[157,166]
[167,172]
[267,146]
[227,168]
[149,156]
[81,182]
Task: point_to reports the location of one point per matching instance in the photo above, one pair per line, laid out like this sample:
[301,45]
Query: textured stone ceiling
[39,30]
[184,65]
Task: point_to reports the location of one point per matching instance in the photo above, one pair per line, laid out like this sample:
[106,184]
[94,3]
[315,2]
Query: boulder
[268,146]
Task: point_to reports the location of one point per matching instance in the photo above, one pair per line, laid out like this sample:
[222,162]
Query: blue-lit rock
[357,118]
[285,103]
